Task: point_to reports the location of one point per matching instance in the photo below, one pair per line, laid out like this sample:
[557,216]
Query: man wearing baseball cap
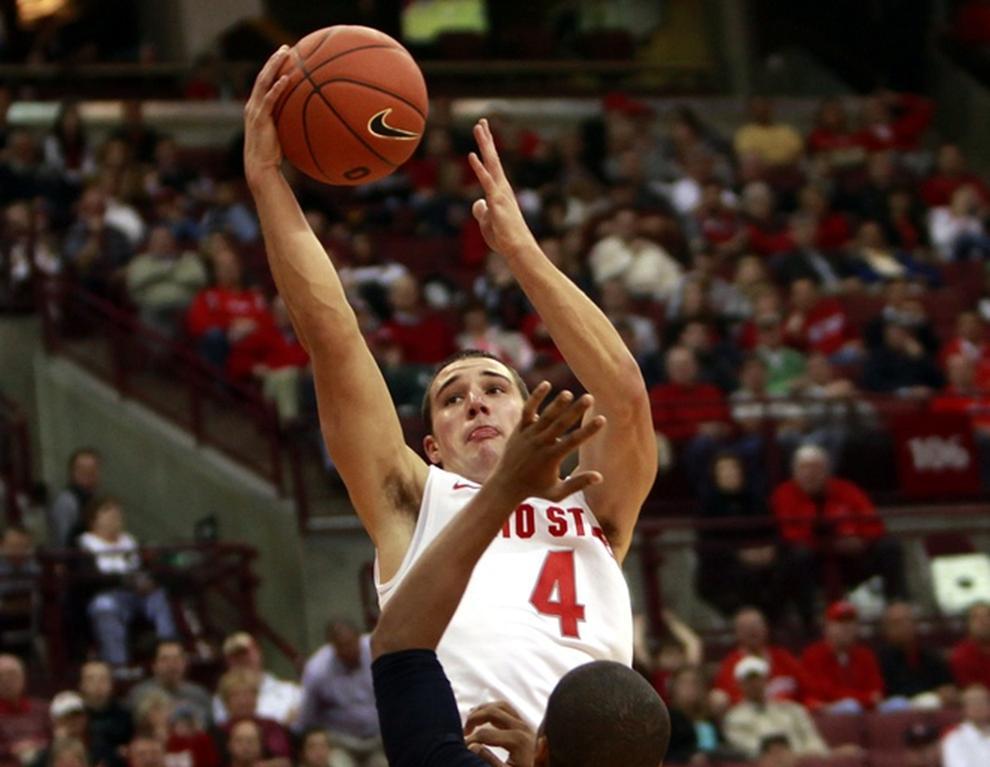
[757,716]
[277,700]
[842,672]
[69,722]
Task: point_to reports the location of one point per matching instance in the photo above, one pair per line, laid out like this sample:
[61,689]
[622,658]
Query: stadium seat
[965,277]
[886,758]
[840,729]
[833,761]
[885,731]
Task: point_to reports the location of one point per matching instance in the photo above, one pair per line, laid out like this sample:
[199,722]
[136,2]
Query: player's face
[475,406]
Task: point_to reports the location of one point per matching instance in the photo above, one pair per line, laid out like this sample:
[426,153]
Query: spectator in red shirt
[963,395]
[895,121]
[970,342]
[833,141]
[970,658]
[275,357]
[716,222]
[694,416]
[819,324]
[223,317]
[950,174]
[24,721]
[684,407]
[828,521]
[785,679]
[766,230]
[842,672]
[423,336]
[832,230]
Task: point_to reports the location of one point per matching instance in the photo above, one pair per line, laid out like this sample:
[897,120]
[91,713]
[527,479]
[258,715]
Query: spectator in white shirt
[124,588]
[645,268]
[277,699]
[968,745]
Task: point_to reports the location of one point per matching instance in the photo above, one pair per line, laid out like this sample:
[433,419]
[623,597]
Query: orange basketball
[354,108]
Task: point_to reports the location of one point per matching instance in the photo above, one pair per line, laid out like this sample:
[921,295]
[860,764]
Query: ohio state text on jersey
[547,596]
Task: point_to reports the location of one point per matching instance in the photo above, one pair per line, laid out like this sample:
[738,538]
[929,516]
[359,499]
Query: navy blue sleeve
[420,724]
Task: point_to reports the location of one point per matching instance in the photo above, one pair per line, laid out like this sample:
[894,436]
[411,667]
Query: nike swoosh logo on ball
[378,127]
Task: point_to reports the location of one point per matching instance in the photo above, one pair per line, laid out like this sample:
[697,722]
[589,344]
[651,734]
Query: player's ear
[431,448]
[541,756]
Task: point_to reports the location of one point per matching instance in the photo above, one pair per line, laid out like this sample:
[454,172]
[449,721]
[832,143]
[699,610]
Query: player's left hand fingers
[574,484]
[484,177]
[263,82]
[273,95]
[483,753]
[480,211]
[486,143]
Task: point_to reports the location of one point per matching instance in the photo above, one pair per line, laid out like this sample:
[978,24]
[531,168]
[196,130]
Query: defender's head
[603,714]
[471,407]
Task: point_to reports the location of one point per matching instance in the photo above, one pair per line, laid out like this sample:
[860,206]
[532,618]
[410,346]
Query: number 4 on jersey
[557,576]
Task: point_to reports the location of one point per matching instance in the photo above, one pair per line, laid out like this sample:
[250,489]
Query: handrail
[16,471]
[650,543]
[220,568]
[130,339]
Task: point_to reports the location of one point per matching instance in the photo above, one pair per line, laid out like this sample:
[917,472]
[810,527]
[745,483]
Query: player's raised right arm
[358,421]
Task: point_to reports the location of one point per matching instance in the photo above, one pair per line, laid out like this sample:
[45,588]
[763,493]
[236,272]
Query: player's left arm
[626,453]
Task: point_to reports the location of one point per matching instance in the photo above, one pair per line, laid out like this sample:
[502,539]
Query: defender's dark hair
[604,714]
[466,354]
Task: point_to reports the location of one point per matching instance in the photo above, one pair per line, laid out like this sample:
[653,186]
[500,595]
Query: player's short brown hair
[465,354]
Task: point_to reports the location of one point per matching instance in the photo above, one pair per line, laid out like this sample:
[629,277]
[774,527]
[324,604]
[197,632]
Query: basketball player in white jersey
[549,594]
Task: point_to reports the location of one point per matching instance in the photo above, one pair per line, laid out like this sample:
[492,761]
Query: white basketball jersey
[547,596]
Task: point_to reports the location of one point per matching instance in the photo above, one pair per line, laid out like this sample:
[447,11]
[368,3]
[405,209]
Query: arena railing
[211,586]
[466,78]
[137,361]
[15,459]
[658,539]
[166,375]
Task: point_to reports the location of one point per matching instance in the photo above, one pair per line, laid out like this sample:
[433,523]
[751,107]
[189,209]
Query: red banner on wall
[936,455]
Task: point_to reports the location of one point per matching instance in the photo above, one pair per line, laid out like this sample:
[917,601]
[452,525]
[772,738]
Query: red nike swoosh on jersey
[462,485]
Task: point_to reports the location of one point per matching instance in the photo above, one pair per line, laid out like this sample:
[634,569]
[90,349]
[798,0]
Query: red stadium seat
[840,729]
[966,278]
[885,732]
[861,308]
[833,761]
[887,758]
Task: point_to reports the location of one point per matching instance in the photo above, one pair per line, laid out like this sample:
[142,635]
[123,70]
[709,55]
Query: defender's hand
[530,465]
[261,148]
[499,725]
[501,221]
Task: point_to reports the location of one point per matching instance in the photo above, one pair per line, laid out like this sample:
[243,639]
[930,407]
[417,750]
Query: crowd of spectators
[253,718]
[736,269]
[736,708]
